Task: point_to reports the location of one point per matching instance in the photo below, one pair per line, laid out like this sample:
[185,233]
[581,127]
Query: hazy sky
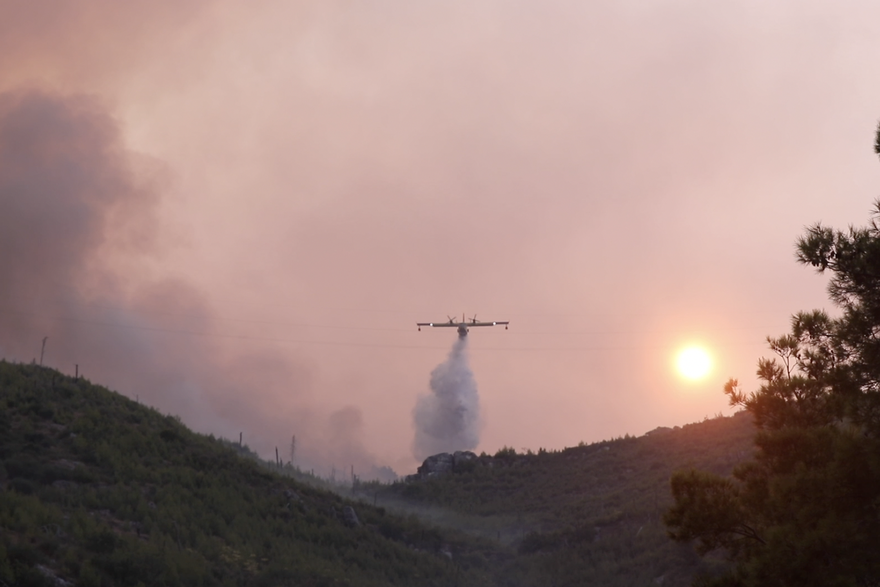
[238,211]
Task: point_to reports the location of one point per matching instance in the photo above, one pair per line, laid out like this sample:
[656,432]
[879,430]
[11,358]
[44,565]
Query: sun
[694,363]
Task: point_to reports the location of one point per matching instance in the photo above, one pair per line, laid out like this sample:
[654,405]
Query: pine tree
[806,510]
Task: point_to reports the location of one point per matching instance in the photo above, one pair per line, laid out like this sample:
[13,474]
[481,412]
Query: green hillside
[99,490]
[96,489]
[588,515]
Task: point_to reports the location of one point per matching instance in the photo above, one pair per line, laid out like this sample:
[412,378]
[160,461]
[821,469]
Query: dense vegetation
[806,510]
[98,490]
[587,515]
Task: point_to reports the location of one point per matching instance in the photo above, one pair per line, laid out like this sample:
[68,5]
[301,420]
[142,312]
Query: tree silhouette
[806,510]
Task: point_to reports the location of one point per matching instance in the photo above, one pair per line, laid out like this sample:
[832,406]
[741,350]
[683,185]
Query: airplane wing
[461,326]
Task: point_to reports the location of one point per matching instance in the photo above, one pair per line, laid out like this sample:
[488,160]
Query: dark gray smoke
[448,419]
[74,204]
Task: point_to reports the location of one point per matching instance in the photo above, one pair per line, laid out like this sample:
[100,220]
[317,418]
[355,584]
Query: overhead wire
[227,336]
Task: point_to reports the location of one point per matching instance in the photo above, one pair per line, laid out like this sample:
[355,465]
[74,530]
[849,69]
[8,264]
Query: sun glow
[693,363]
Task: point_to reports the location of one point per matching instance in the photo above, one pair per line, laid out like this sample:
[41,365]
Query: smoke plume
[75,203]
[448,419]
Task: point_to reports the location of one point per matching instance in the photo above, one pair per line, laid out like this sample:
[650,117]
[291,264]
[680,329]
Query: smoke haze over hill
[73,198]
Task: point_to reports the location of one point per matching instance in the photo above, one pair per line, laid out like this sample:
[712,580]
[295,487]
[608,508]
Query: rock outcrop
[444,462]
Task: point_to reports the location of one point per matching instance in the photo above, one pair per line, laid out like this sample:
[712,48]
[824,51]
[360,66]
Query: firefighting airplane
[462,326]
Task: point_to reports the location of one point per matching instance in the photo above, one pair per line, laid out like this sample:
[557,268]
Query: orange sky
[302,182]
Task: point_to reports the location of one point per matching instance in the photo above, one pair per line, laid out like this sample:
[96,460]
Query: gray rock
[463,456]
[52,577]
[443,463]
[437,464]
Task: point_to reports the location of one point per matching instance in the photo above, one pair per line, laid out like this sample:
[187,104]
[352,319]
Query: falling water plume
[448,418]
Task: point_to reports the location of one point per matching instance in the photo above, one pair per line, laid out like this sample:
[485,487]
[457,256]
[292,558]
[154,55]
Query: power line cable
[221,335]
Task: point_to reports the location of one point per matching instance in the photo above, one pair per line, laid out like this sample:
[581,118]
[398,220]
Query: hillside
[96,489]
[99,490]
[587,515]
